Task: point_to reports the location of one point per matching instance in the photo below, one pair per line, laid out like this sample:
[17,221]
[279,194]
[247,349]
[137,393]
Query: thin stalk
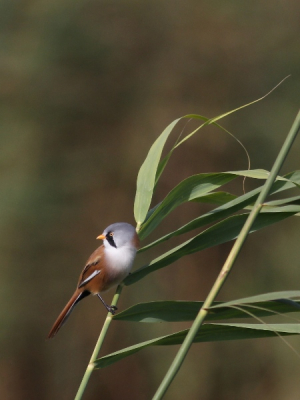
[178,360]
[91,366]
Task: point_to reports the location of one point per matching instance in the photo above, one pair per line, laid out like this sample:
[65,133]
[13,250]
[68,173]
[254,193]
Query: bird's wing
[92,267]
[89,278]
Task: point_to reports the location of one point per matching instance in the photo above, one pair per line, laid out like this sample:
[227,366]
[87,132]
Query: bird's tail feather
[66,312]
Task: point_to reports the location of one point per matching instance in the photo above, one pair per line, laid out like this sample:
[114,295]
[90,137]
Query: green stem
[178,360]
[91,365]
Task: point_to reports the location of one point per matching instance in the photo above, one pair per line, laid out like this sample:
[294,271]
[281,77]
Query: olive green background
[86,87]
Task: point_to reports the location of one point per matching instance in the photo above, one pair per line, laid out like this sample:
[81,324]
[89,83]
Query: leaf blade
[229,208]
[289,294]
[180,311]
[189,189]
[219,233]
[147,174]
[207,333]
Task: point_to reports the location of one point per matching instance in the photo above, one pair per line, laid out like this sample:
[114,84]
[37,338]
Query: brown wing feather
[94,262]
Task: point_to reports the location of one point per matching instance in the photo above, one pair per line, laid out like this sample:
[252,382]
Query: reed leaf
[176,311]
[208,333]
[219,233]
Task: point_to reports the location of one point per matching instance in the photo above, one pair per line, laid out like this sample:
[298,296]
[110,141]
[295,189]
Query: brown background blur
[86,87]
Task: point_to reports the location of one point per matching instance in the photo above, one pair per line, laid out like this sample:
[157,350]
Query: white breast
[119,262]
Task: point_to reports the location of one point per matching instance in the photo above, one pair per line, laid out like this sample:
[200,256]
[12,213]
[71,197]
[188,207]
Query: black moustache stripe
[110,240]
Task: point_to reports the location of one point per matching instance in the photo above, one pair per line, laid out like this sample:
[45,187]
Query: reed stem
[91,366]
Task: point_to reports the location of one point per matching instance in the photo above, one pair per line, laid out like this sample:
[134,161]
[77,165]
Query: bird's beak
[102,237]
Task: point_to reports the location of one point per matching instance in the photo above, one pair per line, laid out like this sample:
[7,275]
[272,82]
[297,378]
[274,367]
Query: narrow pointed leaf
[215,119]
[207,333]
[147,174]
[160,311]
[275,203]
[210,121]
[223,211]
[207,121]
[218,198]
[288,294]
[219,233]
[178,311]
[289,208]
[192,188]
[189,189]
[228,208]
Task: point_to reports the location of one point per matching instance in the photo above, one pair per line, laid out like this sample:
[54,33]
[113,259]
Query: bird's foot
[112,309]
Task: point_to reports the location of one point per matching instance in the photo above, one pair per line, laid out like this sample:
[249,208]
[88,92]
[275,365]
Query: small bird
[108,265]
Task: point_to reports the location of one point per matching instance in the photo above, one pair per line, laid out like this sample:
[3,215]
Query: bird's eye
[111,234]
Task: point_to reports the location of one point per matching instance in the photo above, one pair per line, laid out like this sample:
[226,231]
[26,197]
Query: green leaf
[159,311]
[189,189]
[147,174]
[294,200]
[193,188]
[207,333]
[209,121]
[218,198]
[228,208]
[219,233]
[215,119]
[151,170]
[289,208]
[274,296]
[176,311]
[223,211]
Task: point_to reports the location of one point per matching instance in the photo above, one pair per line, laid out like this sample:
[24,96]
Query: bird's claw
[112,309]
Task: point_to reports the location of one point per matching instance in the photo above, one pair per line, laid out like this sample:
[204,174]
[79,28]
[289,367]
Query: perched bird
[108,265]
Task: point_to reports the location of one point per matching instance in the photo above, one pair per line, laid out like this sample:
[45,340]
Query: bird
[107,266]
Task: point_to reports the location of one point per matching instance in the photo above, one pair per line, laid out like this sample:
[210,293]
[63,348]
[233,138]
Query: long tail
[77,296]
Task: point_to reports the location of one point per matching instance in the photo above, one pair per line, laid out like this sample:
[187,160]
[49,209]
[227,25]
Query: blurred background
[86,87]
